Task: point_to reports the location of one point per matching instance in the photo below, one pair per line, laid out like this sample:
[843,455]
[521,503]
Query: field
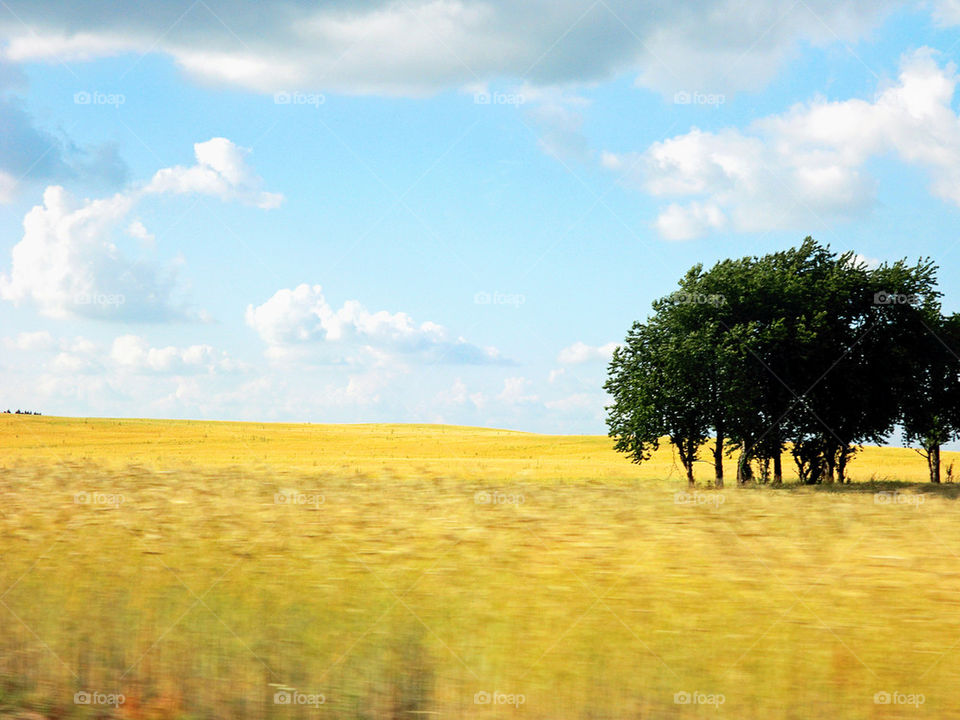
[230,570]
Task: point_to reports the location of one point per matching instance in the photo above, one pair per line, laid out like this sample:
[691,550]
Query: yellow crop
[200,569]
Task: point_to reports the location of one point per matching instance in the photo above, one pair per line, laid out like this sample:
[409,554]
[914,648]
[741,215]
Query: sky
[434,211]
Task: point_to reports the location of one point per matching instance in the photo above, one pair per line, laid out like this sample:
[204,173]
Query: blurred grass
[179,581]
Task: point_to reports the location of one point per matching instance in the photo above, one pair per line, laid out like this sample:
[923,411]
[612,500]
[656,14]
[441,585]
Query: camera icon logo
[81,698]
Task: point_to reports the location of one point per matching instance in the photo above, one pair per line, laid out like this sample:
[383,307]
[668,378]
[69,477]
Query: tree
[931,402]
[656,382]
[802,348]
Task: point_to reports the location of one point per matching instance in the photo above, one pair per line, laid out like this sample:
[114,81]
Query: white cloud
[301,318]
[67,262]
[68,48]
[580,353]
[808,163]
[870,262]
[132,352]
[8,186]
[592,403]
[685,222]
[456,394]
[427,45]
[71,260]
[559,117]
[137,230]
[129,353]
[31,341]
[221,171]
[516,392]
[947,12]
[72,363]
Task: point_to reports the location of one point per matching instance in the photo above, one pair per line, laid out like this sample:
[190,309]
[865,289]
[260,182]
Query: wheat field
[179,569]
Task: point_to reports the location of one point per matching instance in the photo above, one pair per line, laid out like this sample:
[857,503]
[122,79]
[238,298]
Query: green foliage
[802,348]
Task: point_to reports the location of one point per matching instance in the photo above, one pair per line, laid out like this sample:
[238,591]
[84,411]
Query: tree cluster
[805,350]
[20,412]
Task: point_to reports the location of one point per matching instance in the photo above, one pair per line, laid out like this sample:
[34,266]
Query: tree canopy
[805,350]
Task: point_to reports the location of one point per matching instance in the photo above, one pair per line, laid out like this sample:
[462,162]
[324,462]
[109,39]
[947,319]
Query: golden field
[201,570]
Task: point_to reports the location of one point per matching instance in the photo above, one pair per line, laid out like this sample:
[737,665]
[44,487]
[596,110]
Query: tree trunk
[842,458]
[718,459]
[933,461]
[690,481]
[777,468]
[744,471]
[831,461]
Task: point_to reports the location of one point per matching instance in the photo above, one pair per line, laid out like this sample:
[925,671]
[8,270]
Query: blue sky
[443,211]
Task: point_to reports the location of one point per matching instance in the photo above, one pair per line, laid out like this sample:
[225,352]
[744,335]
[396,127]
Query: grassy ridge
[453,564]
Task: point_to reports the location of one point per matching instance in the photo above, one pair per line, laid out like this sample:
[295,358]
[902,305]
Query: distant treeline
[804,349]
[21,412]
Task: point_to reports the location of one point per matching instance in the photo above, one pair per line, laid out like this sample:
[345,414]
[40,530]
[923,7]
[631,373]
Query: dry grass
[401,450]
[180,582]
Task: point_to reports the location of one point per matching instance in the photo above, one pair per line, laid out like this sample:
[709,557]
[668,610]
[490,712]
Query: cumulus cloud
[388,47]
[806,164]
[580,353]
[301,318]
[71,259]
[67,262]
[221,170]
[127,353]
[132,352]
